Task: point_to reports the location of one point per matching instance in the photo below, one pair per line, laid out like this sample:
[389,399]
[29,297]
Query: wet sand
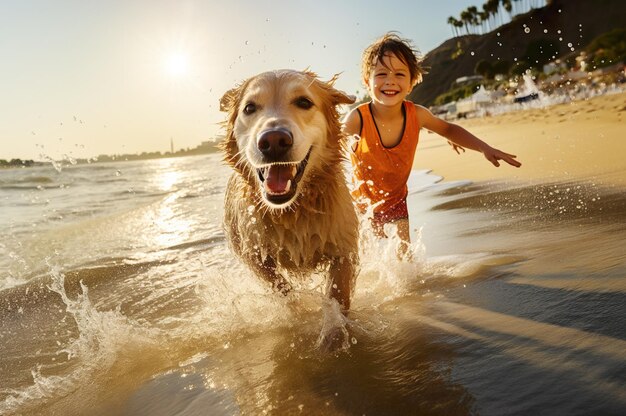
[581,140]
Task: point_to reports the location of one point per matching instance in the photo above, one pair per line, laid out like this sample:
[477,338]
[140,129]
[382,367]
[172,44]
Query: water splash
[101,337]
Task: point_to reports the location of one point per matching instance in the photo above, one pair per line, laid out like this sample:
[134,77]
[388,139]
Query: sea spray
[235,302]
[102,336]
[386,272]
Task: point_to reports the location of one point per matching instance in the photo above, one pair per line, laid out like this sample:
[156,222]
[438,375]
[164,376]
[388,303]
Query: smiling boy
[388,132]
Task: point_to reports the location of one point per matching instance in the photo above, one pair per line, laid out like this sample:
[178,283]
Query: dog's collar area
[279,180]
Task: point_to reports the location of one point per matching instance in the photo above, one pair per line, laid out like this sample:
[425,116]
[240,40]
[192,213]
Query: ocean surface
[119,296]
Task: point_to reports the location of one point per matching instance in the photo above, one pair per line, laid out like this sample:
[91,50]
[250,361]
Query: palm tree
[484,21]
[508,6]
[473,11]
[452,22]
[473,18]
[466,18]
[459,25]
[493,8]
[487,13]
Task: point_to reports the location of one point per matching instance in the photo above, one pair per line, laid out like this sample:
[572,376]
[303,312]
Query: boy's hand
[493,155]
[456,147]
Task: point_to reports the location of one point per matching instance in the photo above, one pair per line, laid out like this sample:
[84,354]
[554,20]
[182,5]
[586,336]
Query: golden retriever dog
[288,211]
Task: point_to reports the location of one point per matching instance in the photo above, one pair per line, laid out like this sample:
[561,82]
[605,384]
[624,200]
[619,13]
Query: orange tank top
[380,173]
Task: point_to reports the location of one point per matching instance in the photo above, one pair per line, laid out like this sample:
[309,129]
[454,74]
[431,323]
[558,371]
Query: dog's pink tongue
[278,178]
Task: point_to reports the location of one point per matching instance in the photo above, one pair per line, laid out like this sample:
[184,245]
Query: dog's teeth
[294,170]
[288,187]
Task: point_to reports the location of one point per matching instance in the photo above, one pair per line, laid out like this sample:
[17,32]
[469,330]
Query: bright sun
[177,64]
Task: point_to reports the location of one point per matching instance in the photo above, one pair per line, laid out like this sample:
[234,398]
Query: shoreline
[577,141]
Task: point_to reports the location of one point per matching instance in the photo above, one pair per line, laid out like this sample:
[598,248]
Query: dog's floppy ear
[229,98]
[229,103]
[339,97]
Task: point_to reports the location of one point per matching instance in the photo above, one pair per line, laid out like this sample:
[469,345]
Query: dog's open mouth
[280,180]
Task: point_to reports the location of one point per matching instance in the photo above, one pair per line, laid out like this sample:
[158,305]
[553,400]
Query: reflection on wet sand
[577,354]
[401,370]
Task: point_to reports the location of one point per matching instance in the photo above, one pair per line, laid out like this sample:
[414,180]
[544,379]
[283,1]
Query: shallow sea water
[119,296]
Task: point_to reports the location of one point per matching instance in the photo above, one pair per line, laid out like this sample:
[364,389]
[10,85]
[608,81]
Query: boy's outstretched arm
[463,138]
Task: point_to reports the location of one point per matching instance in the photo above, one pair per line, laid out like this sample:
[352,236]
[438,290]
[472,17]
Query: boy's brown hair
[391,43]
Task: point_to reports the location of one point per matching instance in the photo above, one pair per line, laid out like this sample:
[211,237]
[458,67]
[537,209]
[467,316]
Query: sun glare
[177,64]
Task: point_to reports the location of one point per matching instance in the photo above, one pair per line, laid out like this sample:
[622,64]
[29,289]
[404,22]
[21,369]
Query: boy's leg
[403,231]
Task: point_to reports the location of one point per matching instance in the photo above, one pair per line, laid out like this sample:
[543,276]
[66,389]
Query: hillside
[579,22]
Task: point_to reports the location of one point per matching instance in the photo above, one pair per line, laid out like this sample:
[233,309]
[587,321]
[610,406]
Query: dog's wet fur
[288,211]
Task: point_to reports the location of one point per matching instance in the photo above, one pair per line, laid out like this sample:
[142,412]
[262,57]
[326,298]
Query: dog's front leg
[266,269]
[340,281]
[334,335]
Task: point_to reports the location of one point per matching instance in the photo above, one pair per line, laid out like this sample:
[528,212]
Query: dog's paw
[334,335]
[334,340]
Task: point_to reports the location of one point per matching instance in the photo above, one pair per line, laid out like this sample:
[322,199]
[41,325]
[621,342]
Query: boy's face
[390,81]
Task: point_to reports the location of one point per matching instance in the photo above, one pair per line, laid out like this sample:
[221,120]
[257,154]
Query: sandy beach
[580,140]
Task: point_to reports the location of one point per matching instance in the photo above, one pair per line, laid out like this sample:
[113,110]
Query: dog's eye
[249,108]
[303,103]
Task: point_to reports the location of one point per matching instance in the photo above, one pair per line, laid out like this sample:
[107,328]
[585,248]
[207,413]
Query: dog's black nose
[275,143]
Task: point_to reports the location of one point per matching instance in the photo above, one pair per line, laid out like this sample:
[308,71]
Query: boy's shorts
[394,213]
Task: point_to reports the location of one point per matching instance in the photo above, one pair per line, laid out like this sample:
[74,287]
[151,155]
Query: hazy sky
[80,78]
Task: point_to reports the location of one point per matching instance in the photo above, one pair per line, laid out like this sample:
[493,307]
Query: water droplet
[545,30]
[569,45]
[527,30]
[472,53]
[354,340]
